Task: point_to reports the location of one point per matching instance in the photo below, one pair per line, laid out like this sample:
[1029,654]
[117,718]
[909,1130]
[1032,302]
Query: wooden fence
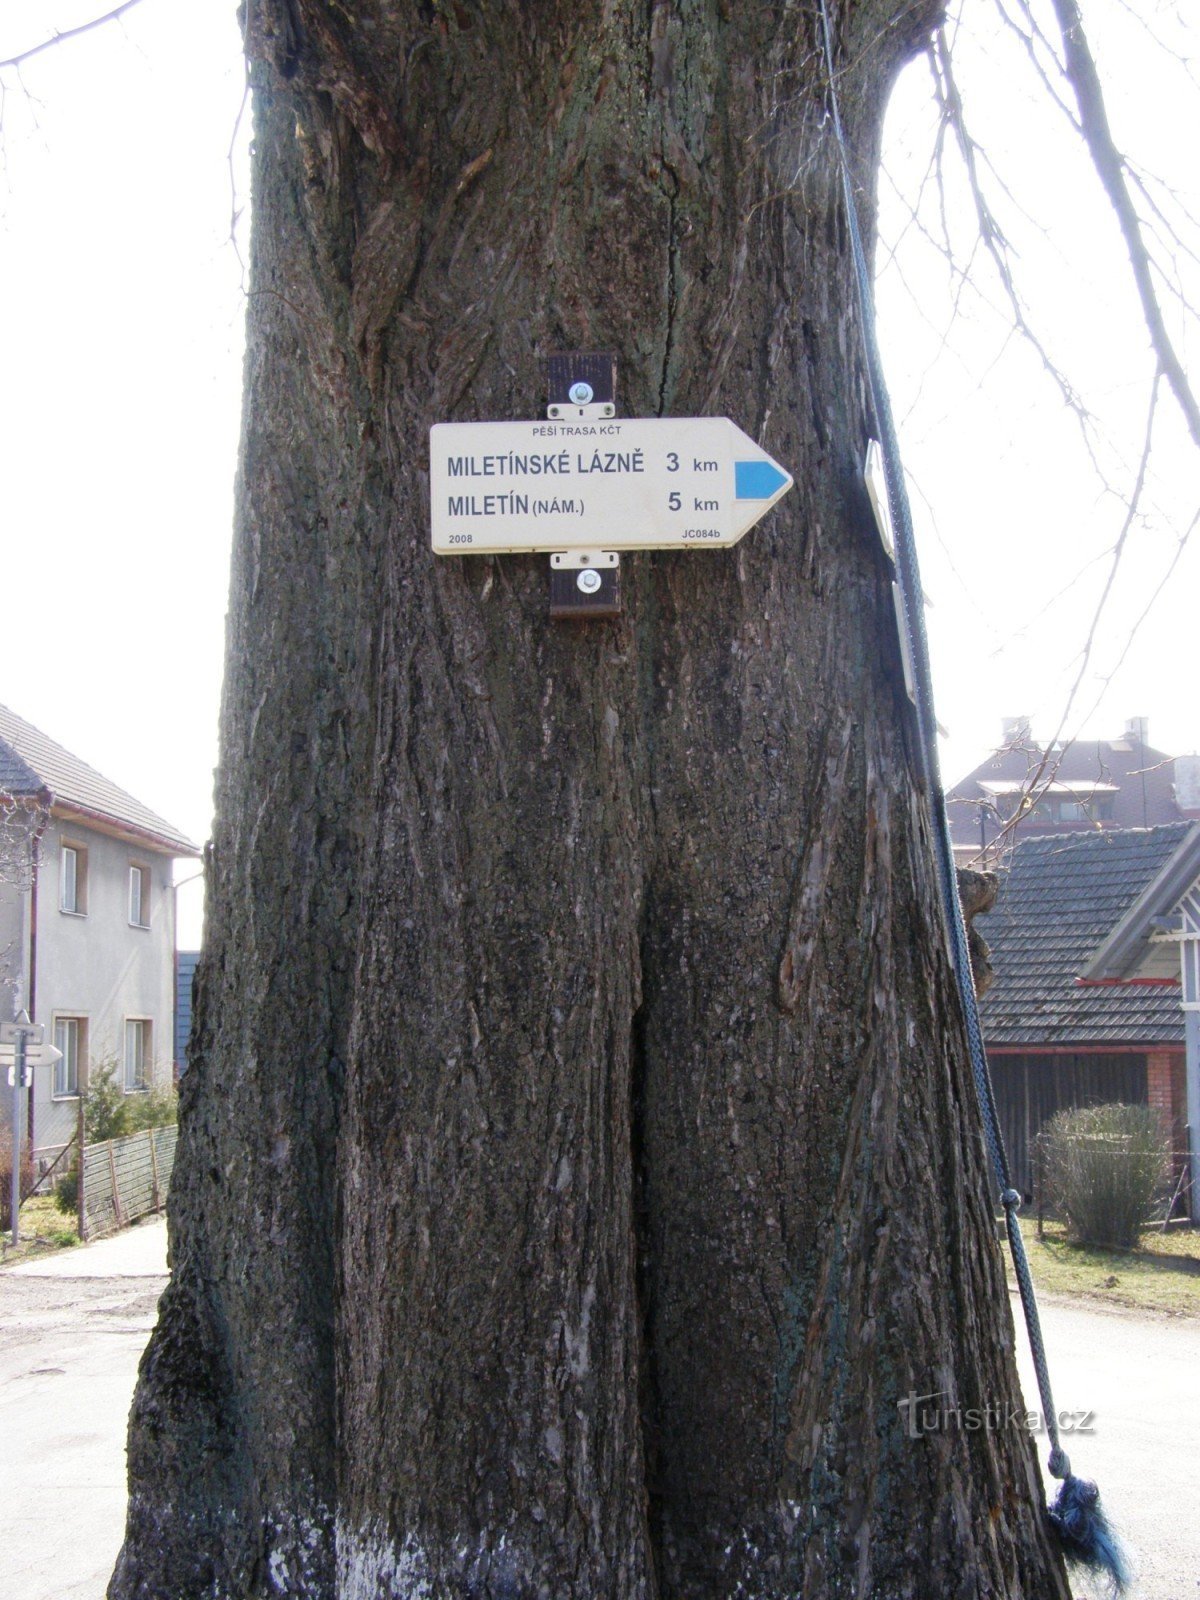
[1031,1087]
[123,1179]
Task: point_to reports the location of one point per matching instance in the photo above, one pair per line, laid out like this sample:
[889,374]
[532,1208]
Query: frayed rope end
[1085,1534]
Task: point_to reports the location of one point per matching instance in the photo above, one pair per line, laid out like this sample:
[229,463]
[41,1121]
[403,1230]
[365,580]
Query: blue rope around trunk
[1076,1513]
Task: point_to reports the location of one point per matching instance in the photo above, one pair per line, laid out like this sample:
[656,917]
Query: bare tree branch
[1093,117]
[1168,574]
[69,33]
[992,235]
[1046,771]
[1117,553]
[1030,38]
[1059,595]
[1044,763]
[1137,13]
[1142,180]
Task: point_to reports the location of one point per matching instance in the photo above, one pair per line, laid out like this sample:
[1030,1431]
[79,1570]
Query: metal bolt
[580,393]
[588,580]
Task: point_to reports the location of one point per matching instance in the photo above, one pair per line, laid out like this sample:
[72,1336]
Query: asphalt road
[73,1328]
[1140,1376]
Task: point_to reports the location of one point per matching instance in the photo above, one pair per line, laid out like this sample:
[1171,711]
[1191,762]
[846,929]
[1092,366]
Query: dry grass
[1146,1279]
[43,1227]
[1172,1242]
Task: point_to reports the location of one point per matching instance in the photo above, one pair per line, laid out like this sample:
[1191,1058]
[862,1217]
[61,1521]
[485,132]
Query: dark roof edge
[1159,896]
[173,844]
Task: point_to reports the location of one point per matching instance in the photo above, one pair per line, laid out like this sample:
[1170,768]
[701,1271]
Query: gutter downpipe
[35,857]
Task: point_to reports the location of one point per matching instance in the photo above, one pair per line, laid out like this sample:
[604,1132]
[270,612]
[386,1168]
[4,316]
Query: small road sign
[36,1051]
[22,1047]
[37,1055]
[642,483]
[22,1028]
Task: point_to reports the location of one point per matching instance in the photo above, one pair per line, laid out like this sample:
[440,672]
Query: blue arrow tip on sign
[757,480]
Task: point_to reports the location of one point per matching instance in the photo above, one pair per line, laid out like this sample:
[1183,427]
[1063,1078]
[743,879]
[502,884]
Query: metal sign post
[18,1034]
[18,1096]
[24,1042]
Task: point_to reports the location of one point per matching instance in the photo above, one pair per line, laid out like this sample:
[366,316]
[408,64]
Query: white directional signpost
[586,484]
[22,1047]
[597,484]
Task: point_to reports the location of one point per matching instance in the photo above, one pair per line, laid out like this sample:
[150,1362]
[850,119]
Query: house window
[72,879]
[70,1037]
[139,896]
[137,1054]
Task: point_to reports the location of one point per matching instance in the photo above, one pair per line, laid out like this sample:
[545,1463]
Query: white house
[87,924]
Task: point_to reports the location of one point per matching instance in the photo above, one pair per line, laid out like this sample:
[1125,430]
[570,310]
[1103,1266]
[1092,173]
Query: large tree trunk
[579,1161]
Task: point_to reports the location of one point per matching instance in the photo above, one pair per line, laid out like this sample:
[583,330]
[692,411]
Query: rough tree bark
[579,1161]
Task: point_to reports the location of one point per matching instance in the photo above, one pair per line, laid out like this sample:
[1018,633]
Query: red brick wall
[1159,1085]
[1165,1086]
[1166,1091]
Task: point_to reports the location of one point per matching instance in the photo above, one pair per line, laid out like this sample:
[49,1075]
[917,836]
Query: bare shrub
[1106,1171]
[27,1182]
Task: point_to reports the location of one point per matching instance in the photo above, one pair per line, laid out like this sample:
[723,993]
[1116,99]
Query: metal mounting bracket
[585,584]
[585,413]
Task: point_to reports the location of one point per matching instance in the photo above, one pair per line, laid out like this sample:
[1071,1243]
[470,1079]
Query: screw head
[580,393]
[588,580]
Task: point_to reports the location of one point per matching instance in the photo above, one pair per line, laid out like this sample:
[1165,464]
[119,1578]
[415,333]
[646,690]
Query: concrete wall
[96,965]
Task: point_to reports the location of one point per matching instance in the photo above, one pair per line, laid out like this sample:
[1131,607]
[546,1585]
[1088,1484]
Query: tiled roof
[17,777]
[41,763]
[1060,897]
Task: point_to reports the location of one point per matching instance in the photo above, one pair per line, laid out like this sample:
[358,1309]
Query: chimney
[1187,785]
[1137,731]
[1014,731]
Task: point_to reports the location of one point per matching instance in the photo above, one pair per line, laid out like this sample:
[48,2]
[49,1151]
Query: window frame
[141,876]
[78,853]
[145,1027]
[71,1059]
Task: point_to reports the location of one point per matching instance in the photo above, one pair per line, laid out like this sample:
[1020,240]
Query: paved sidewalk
[73,1326]
[137,1252]
[1140,1376]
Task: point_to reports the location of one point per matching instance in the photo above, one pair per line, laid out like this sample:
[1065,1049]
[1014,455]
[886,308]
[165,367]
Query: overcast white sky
[120,376]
